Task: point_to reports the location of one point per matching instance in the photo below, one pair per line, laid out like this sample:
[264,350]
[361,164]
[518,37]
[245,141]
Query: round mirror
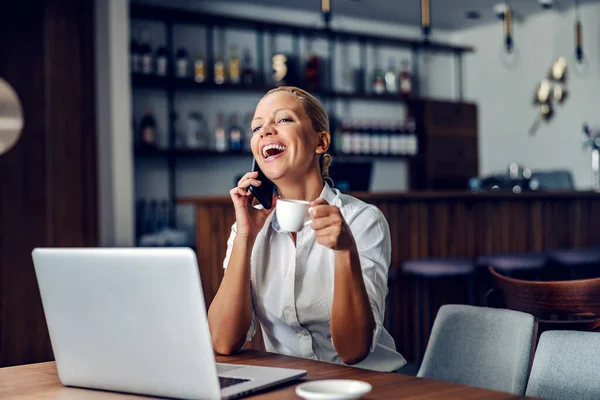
[11,117]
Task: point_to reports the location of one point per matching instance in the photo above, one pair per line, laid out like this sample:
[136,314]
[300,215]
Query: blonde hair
[318,117]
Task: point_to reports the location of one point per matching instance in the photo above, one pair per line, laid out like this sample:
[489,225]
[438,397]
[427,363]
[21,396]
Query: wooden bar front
[429,224]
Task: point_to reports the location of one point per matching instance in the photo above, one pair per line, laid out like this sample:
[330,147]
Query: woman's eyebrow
[276,111]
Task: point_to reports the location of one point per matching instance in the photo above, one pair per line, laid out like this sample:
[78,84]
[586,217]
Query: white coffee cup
[292,215]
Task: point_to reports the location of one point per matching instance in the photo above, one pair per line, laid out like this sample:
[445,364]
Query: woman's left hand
[329,225]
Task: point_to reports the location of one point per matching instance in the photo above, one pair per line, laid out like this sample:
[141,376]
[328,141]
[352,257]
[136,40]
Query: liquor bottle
[234,68]
[248,131]
[395,139]
[150,217]
[355,140]
[379,81]
[219,70]
[148,129]
[412,144]
[146,54]
[391,78]
[140,212]
[134,55]
[365,137]
[311,73]
[248,75]
[384,144]
[235,134]
[200,68]
[182,61]
[346,147]
[375,135]
[162,61]
[280,69]
[405,79]
[220,135]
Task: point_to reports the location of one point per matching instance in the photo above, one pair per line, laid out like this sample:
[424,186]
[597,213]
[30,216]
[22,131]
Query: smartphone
[264,192]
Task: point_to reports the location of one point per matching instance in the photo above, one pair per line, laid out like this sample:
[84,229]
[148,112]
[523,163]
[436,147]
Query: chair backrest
[566,366]
[541,299]
[482,347]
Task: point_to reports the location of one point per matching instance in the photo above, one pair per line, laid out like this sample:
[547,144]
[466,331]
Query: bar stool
[426,270]
[522,265]
[514,263]
[576,263]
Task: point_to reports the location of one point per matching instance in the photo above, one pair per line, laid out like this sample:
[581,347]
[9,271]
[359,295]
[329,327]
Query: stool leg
[419,344]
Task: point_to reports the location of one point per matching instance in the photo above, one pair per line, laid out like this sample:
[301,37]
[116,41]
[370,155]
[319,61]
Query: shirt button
[303,334]
[288,309]
[297,279]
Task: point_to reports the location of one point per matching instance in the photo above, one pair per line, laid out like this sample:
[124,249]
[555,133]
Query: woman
[320,293]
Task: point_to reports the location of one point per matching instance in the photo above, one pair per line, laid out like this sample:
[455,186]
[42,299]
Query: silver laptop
[134,320]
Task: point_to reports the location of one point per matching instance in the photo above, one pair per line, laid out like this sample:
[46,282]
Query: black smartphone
[264,192]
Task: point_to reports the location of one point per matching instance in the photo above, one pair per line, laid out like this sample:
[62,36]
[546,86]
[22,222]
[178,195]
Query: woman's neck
[308,189]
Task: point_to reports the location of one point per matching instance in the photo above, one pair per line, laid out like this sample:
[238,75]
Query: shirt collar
[327,193]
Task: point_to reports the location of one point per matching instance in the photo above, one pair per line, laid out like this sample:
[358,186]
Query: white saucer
[333,389]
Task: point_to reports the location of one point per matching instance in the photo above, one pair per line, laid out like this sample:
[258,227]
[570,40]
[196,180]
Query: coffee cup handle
[308,222]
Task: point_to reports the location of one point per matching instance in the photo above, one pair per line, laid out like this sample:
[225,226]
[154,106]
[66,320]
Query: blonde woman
[319,293]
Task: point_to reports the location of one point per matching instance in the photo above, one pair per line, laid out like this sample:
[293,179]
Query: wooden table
[40,381]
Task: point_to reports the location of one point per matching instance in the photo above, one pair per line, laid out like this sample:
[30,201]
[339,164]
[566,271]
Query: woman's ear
[324,142]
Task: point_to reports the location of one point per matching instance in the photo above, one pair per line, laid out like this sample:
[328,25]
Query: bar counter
[433,224]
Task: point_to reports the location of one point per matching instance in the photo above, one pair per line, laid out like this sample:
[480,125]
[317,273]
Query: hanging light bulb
[425,19]
[578,35]
[508,35]
[326,11]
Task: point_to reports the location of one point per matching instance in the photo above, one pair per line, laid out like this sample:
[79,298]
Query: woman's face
[283,140]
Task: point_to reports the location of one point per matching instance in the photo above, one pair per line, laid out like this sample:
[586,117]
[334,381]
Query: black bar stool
[576,263]
[426,270]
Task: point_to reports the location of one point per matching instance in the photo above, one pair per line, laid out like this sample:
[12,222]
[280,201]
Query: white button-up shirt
[292,285]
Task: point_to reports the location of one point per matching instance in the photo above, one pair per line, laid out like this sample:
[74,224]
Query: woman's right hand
[249,220]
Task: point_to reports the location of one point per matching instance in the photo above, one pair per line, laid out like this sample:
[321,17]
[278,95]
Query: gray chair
[566,366]
[483,347]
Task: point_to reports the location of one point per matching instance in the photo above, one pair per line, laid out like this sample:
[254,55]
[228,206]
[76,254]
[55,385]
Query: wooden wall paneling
[48,180]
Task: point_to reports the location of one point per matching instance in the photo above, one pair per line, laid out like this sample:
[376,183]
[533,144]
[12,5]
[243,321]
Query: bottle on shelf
[162,61]
[405,79]
[182,61]
[384,139]
[311,73]
[196,131]
[346,139]
[145,50]
[235,134]
[378,80]
[234,68]
[281,72]
[355,137]
[134,55]
[150,219]
[148,131]
[391,78]
[200,68]
[219,70]
[248,131]
[220,135]
[374,139]
[412,143]
[365,137]
[248,74]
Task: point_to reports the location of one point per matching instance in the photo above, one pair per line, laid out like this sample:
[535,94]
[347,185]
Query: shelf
[164,14]
[143,81]
[149,152]
[157,152]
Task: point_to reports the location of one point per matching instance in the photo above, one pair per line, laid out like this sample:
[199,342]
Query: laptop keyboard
[226,382]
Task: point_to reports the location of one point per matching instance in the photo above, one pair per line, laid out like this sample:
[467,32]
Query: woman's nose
[268,129]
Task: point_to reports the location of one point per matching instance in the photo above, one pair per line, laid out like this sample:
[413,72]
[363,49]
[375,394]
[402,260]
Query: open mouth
[273,150]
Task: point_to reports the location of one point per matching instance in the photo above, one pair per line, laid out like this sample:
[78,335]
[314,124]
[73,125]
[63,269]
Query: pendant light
[326,11]
[425,19]
[578,37]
